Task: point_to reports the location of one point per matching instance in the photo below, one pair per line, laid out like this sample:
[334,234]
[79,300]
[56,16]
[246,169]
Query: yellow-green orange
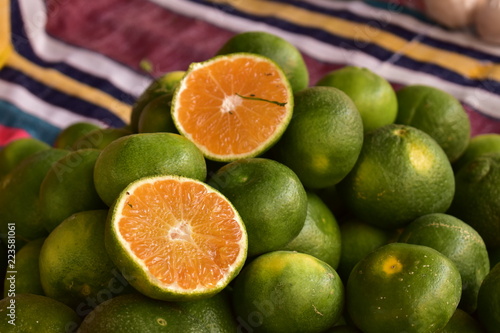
[68,188]
[401,174]
[270,199]
[284,291]
[358,239]
[26,279]
[323,140]
[459,242]
[137,313]
[19,199]
[74,266]
[37,313]
[403,288]
[148,154]
[437,113]
[320,236]
[477,198]
[68,135]
[373,95]
[462,322]
[100,138]
[478,145]
[16,151]
[156,116]
[165,84]
[285,54]
[488,302]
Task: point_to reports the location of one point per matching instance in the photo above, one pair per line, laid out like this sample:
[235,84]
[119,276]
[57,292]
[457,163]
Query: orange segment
[233,106]
[184,234]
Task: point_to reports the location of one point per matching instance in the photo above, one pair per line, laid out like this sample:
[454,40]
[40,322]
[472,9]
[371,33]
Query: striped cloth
[63,61]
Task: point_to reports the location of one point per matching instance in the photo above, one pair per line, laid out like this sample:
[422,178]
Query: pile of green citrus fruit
[243,198]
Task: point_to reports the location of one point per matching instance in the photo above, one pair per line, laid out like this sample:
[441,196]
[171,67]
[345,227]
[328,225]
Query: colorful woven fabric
[65,61]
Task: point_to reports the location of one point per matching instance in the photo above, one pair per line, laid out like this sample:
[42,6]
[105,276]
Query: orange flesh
[186,236]
[215,117]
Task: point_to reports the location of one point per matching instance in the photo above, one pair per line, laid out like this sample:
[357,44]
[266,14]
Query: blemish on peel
[391,265]
[420,157]
[316,310]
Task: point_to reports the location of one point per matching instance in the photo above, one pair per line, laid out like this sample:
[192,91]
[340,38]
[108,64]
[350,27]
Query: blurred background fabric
[64,61]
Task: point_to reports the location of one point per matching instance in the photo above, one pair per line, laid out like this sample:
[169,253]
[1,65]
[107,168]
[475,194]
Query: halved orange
[175,238]
[233,106]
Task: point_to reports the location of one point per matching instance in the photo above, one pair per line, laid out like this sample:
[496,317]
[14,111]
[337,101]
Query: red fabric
[134,30]
[480,123]
[413,4]
[8,134]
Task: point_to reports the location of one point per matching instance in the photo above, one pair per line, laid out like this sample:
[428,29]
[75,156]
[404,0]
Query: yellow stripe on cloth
[70,86]
[363,34]
[5,46]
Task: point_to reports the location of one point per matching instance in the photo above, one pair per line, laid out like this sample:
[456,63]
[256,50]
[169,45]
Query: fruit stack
[242,198]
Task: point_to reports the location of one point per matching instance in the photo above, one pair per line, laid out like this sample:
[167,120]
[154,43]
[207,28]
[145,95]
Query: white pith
[230,103]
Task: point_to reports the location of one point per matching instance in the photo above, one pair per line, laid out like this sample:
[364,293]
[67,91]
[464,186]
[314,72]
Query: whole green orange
[289,292]
[403,288]
[147,154]
[401,174]
[269,198]
[324,138]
